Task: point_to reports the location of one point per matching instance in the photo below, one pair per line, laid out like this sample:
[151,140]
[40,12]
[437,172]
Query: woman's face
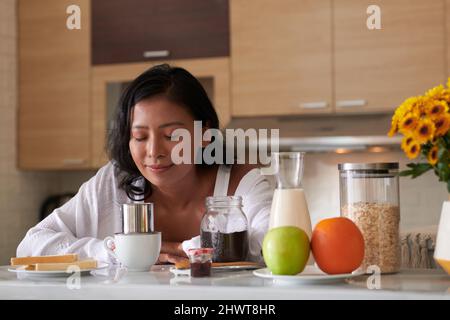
[153,122]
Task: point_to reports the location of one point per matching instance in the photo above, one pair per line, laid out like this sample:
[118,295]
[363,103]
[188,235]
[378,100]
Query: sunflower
[438,93]
[406,142]
[394,125]
[413,150]
[420,106]
[442,124]
[436,108]
[393,129]
[432,155]
[406,107]
[408,123]
[424,130]
[398,114]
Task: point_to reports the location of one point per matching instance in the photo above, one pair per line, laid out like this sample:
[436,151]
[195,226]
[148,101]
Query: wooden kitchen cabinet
[54,86]
[139,30]
[281,57]
[375,70]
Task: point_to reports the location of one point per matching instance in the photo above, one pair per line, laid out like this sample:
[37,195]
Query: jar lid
[368,166]
[224,201]
[198,251]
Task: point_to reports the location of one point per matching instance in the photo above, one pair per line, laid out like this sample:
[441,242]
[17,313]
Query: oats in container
[370,198]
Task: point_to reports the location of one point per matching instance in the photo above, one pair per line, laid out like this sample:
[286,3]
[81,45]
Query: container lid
[368,166]
[224,201]
[198,251]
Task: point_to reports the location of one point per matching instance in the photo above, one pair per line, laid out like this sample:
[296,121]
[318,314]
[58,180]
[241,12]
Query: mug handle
[106,245]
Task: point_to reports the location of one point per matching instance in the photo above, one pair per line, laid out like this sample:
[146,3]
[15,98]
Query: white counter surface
[160,283]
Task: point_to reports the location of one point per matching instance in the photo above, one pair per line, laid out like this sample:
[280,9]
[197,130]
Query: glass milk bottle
[289,207]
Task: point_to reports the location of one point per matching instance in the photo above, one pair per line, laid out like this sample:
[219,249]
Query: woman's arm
[256,191]
[171,252]
[73,228]
[173,248]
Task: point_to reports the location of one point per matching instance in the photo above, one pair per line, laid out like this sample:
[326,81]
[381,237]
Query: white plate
[59,273]
[180,272]
[187,272]
[310,275]
[235,268]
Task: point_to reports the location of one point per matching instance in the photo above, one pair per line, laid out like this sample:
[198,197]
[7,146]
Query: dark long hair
[178,86]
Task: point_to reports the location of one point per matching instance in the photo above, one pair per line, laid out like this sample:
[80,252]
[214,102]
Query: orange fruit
[337,245]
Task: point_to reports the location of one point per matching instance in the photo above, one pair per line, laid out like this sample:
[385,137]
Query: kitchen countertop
[160,283]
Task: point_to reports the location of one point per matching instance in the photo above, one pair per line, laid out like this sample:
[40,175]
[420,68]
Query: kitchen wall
[420,199]
[21,193]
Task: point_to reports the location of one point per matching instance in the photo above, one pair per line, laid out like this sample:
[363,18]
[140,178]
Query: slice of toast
[83,264]
[44,259]
[183,264]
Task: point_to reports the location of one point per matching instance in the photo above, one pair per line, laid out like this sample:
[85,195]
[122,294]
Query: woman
[158,102]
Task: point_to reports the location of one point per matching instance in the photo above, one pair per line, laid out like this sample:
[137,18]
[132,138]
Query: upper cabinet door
[281,57]
[139,30]
[375,70]
[54,82]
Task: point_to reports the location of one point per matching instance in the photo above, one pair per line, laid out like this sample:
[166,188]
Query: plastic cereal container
[200,260]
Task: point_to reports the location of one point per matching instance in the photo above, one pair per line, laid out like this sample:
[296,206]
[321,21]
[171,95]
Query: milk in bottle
[289,207]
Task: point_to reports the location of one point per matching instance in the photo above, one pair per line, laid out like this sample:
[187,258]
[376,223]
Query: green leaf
[405,173]
[442,153]
[417,169]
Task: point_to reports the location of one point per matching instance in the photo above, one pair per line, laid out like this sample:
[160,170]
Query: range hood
[330,133]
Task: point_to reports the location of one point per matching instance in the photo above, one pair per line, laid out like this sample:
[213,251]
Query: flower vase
[442,250]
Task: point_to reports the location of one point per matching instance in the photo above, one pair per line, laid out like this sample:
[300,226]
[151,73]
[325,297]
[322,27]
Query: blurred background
[312,69]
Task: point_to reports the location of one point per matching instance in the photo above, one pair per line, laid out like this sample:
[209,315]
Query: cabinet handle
[73,162]
[351,103]
[314,105]
[156,54]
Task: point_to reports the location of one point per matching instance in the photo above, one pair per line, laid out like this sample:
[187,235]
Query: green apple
[286,250]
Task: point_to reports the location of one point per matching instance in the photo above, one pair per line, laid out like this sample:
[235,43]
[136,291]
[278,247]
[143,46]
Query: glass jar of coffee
[224,228]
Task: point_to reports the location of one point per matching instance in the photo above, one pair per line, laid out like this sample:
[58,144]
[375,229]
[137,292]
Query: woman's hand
[171,252]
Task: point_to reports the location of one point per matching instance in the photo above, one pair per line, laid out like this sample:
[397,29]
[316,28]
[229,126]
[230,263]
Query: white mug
[137,251]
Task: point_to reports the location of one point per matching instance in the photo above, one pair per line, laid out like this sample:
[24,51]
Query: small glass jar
[200,260]
[224,228]
[369,196]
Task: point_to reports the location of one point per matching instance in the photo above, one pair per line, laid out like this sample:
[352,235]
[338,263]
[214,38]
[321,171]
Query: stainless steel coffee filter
[137,218]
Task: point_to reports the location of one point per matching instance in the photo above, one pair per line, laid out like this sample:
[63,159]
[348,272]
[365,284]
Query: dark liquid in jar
[200,269]
[228,247]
